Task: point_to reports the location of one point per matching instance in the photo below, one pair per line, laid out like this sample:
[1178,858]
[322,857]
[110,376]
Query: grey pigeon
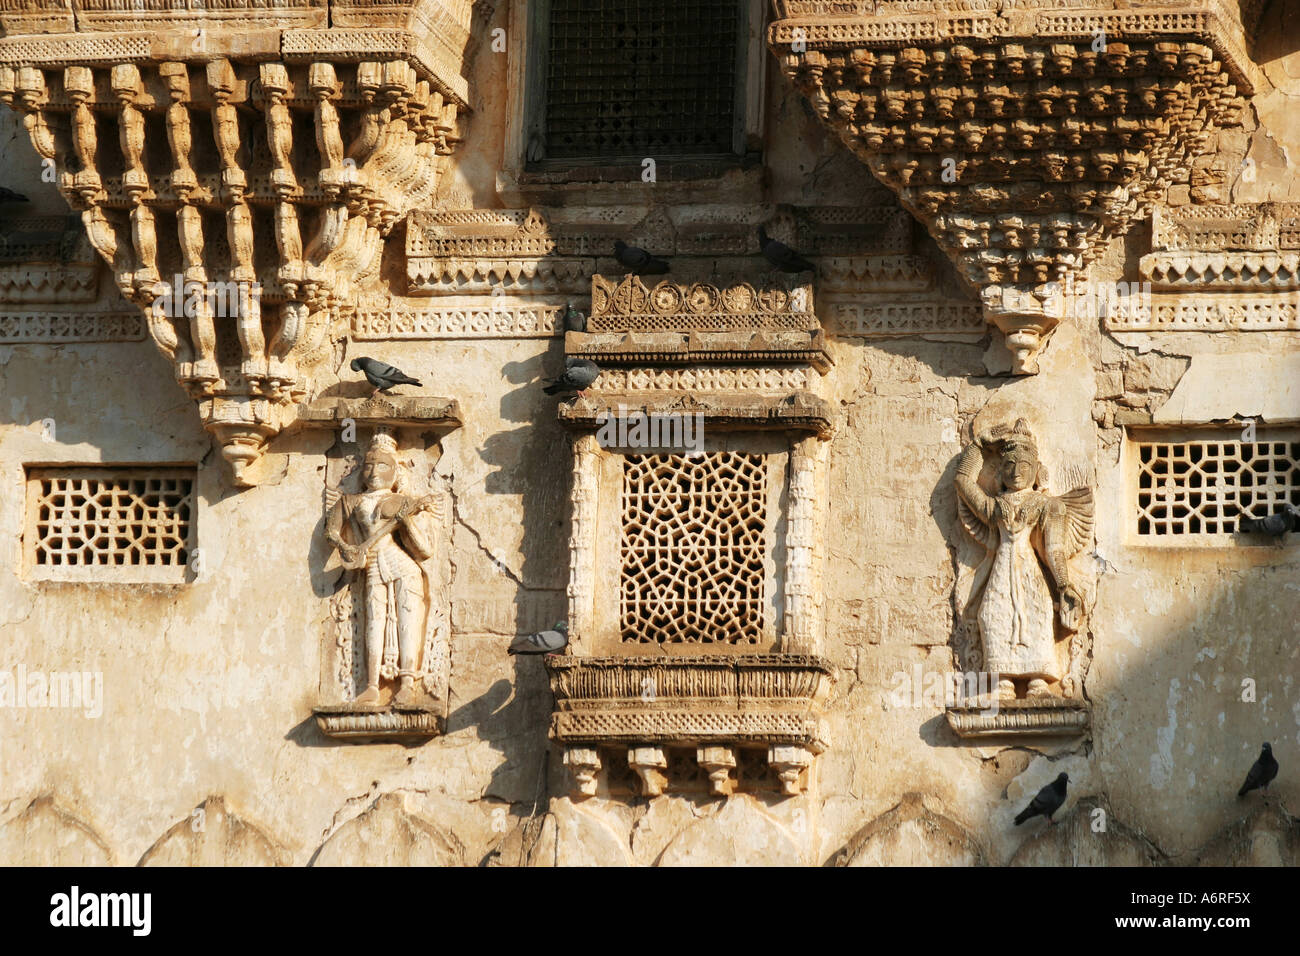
[543,642]
[1262,773]
[638,261]
[578,375]
[781,255]
[382,377]
[1275,525]
[1047,802]
[574,321]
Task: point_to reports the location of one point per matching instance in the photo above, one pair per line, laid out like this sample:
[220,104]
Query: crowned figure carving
[388,538]
[1023,588]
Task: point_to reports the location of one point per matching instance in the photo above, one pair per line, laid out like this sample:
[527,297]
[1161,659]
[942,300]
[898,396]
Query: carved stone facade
[853,560]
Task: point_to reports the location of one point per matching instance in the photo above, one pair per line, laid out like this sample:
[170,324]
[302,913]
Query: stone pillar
[582,541]
[802,571]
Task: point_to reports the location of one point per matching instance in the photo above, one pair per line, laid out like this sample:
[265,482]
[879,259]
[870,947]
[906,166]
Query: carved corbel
[789,763]
[649,763]
[584,765]
[718,763]
[79,85]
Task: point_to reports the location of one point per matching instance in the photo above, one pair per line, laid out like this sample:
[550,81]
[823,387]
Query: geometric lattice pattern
[693,548]
[630,79]
[1204,486]
[110,517]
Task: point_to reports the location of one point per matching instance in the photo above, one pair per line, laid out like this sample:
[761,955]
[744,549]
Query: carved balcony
[1023,134]
[714,705]
[241,183]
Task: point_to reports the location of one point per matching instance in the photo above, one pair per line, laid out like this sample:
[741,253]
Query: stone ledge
[691,347]
[355,723]
[796,411]
[1041,717]
[440,413]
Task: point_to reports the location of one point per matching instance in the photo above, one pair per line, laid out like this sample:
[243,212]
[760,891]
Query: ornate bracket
[1023,137]
[240,191]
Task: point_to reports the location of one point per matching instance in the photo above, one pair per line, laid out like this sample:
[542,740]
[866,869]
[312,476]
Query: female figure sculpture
[376,532]
[1029,537]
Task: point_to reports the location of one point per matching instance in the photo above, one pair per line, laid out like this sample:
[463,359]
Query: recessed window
[618,81]
[1198,484]
[110,524]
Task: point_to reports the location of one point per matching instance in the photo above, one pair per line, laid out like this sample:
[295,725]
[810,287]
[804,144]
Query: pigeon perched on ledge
[574,321]
[578,375]
[781,255]
[543,642]
[638,261]
[1047,802]
[383,377]
[1261,773]
[1275,525]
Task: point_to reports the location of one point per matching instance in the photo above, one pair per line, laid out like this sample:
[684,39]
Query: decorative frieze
[500,319]
[858,319]
[56,328]
[1205,313]
[1240,247]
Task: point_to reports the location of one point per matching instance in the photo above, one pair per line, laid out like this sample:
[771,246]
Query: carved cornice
[789,411]
[1244,247]
[1020,147]
[203,203]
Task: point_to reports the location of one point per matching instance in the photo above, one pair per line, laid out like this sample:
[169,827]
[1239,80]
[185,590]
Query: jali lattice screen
[628,79]
[115,523]
[693,548]
[1201,486]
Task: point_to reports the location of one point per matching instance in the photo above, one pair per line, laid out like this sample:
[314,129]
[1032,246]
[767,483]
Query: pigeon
[543,642]
[1276,525]
[578,375]
[1047,802]
[638,261]
[781,255]
[574,321]
[382,377]
[8,195]
[1262,773]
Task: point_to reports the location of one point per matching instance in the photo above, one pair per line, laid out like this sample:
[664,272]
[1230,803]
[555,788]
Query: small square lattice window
[111,524]
[693,548]
[1201,486]
[629,79]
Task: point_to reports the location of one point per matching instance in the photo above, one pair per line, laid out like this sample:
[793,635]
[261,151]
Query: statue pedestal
[1036,717]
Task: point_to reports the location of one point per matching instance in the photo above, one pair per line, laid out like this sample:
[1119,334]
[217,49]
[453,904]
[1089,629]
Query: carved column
[582,539]
[803,564]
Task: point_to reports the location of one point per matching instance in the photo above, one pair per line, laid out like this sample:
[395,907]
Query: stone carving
[229,215]
[1011,607]
[717,703]
[1186,312]
[870,320]
[381,533]
[1020,147]
[50,328]
[478,321]
[628,304]
[214,835]
[1231,247]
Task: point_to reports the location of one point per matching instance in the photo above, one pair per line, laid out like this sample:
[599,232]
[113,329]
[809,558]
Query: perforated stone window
[1193,485]
[112,524]
[693,548]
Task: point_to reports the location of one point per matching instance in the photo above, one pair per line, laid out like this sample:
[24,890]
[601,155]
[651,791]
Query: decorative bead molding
[754,378]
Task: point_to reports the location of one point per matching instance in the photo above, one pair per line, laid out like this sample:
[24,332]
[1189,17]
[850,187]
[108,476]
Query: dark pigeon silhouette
[8,195]
[1275,525]
[543,642]
[781,255]
[1262,773]
[578,375]
[1047,802]
[638,261]
[574,321]
[382,376]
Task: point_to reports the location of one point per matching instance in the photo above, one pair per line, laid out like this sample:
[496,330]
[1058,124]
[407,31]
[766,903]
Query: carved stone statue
[1030,537]
[378,533]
